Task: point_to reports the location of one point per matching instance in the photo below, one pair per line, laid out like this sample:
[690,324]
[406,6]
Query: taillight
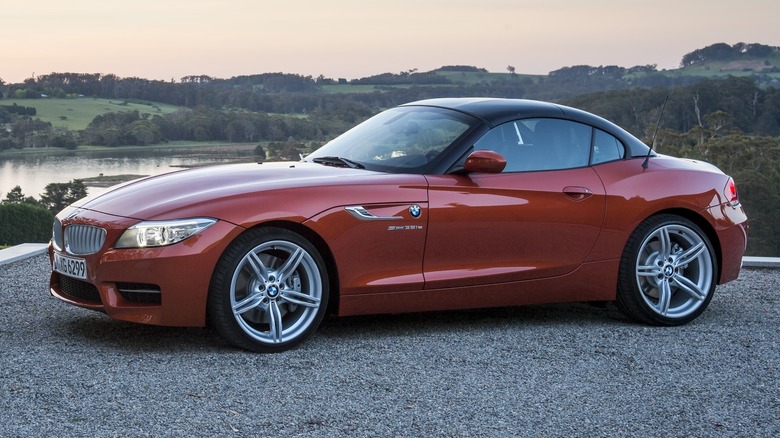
[730,191]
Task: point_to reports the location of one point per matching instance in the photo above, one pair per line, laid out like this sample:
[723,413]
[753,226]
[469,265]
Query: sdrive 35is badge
[415,211]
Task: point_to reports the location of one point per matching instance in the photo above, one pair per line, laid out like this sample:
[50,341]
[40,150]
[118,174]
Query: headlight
[161,233]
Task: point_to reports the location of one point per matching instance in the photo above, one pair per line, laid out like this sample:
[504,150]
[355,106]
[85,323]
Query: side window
[512,140]
[560,144]
[540,144]
[606,148]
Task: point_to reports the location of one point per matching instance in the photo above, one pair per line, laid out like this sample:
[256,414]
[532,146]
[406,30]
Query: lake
[33,173]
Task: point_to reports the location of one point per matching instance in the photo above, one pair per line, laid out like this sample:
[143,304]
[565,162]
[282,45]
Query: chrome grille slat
[56,235]
[84,239]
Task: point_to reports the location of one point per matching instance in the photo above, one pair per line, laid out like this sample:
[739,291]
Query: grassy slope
[475,77]
[172,147]
[457,78]
[721,69]
[75,114]
[711,69]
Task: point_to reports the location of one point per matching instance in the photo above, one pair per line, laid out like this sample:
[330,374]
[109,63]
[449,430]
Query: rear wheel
[269,291]
[668,272]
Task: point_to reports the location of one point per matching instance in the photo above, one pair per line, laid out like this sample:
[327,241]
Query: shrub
[24,223]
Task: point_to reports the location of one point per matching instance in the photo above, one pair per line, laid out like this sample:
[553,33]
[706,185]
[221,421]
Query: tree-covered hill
[766,56]
[259,92]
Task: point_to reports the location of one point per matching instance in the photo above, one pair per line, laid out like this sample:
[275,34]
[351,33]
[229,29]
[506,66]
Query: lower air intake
[140,293]
[79,289]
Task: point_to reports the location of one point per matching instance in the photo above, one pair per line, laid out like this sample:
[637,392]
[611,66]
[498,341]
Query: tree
[60,195]
[716,121]
[62,138]
[144,132]
[259,153]
[15,196]
[714,52]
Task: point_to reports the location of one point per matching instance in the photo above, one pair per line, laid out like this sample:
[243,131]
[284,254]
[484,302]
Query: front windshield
[404,139]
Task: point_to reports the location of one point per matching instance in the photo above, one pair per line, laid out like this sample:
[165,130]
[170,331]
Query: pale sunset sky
[169,39]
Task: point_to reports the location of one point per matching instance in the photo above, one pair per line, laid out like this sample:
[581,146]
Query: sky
[170,39]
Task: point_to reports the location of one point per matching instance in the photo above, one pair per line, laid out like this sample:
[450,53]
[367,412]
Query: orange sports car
[434,205]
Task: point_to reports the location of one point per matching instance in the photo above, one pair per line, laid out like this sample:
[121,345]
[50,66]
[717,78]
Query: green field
[713,69]
[457,77]
[746,67]
[476,77]
[171,146]
[76,113]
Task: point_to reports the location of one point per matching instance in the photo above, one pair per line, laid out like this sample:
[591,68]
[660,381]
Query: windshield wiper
[338,161]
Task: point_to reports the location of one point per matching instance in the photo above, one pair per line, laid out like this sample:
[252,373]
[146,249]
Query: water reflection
[33,173]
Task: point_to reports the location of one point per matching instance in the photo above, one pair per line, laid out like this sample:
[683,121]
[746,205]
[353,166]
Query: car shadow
[99,330]
[543,315]
[103,331]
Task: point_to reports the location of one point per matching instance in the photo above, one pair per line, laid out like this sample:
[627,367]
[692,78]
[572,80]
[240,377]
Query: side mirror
[485,161]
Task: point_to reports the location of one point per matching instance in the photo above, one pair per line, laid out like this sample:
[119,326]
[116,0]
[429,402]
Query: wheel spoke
[257,266]
[252,301]
[666,243]
[291,264]
[690,288]
[664,297]
[275,321]
[300,298]
[690,254]
[648,270]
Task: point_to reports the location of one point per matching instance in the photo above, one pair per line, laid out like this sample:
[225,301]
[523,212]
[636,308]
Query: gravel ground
[558,370]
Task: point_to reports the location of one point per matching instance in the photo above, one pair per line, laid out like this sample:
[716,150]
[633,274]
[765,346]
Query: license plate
[70,266]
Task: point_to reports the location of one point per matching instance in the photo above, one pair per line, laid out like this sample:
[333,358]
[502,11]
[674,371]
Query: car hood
[285,190]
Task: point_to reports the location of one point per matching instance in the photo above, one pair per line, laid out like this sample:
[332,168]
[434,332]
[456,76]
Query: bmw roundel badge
[415,211]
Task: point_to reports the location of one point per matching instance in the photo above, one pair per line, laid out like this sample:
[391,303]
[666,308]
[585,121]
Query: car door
[539,218]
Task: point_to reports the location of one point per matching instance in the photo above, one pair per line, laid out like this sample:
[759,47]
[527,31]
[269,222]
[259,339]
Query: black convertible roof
[495,111]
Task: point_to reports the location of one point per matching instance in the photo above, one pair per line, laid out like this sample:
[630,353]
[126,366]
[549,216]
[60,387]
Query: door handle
[577,193]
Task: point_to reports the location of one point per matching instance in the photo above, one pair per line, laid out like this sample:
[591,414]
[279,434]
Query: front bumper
[160,286]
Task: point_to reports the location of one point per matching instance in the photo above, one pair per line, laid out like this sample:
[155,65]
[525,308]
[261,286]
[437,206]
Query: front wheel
[269,290]
[668,272]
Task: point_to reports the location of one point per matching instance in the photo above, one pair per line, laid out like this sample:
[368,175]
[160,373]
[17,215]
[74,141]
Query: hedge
[24,223]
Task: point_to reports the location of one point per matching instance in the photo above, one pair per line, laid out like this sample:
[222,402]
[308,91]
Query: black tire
[668,272]
[269,291]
